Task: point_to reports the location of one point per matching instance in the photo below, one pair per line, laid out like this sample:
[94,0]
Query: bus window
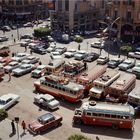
[107,115]
[89,113]
[113,116]
[94,114]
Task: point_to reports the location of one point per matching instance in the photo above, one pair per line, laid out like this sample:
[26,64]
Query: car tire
[78,121]
[115,126]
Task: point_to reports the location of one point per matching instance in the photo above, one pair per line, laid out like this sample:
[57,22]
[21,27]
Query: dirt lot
[27,110]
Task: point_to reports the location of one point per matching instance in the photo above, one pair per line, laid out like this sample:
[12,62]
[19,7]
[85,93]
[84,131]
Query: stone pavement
[5,132]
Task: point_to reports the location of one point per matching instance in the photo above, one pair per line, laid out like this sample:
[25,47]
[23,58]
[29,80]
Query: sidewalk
[5,131]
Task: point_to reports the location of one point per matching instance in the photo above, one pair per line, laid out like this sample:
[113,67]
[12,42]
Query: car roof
[46,117]
[41,66]
[7,96]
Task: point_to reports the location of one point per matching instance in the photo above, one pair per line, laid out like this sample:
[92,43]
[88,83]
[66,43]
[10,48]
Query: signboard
[134,33]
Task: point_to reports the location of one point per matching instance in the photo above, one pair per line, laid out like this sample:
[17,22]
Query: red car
[5,61]
[44,122]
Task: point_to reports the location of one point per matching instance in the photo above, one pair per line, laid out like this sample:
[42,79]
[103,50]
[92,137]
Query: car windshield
[50,100]
[2,102]
[127,62]
[23,67]
[39,68]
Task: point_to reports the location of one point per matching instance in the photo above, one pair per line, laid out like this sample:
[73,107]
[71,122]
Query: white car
[12,65]
[126,64]
[20,56]
[8,100]
[23,69]
[46,100]
[102,60]
[134,55]
[39,71]
[70,53]
[79,55]
[51,48]
[56,55]
[31,60]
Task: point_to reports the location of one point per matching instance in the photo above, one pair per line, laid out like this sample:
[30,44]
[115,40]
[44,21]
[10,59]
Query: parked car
[6,28]
[51,48]
[134,55]
[8,100]
[31,59]
[50,39]
[61,50]
[91,57]
[113,63]
[39,50]
[26,36]
[126,64]
[79,55]
[102,60]
[3,38]
[96,44]
[136,70]
[70,53]
[55,55]
[47,101]
[5,61]
[23,69]
[28,24]
[24,44]
[12,65]
[20,56]
[44,122]
[39,71]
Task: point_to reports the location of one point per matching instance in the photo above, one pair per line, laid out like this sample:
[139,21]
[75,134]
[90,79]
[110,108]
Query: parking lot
[27,110]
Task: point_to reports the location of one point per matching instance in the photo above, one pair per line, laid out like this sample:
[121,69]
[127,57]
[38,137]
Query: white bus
[120,88]
[102,82]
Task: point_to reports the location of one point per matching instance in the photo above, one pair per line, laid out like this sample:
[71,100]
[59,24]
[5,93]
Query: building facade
[129,22]
[76,14]
[26,10]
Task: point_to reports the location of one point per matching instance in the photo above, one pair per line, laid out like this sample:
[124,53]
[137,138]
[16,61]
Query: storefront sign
[134,33]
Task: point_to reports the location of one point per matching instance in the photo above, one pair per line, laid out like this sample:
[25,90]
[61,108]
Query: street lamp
[17,121]
[110,27]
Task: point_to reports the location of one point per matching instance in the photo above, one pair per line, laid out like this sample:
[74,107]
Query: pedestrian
[23,124]
[13,54]
[25,48]
[12,35]
[31,51]
[14,40]
[9,77]
[85,65]
[13,127]
[97,138]
[40,63]
[79,47]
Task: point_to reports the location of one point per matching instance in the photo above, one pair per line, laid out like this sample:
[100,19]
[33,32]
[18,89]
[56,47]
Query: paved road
[27,111]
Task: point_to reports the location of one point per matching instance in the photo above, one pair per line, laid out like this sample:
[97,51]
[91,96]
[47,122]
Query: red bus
[86,79]
[104,114]
[120,88]
[60,87]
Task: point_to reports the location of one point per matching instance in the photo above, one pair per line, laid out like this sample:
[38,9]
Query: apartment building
[129,22]
[23,9]
[77,14]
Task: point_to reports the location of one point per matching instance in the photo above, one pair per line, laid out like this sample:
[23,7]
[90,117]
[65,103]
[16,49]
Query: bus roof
[94,73]
[4,47]
[108,77]
[115,109]
[62,81]
[123,81]
[55,63]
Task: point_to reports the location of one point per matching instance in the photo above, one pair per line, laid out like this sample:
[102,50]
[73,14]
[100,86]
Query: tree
[125,49]
[3,114]
[41,32]
[78,137]
[78,39]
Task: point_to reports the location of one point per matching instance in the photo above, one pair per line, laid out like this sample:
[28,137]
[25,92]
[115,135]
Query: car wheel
[78,122]
[115,126]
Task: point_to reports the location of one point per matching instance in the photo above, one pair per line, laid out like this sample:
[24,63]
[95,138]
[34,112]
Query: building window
[18,2]
[11,2]
[67,5]
[26,2]
[129,2]
[128,16]
[139,15]
[115,14]
[60,5]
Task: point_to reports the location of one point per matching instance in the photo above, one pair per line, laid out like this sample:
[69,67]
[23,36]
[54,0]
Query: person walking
[9,76]
[23,124]
[85,65]
[97,138]
[79,47]
[25,48]
[40,63]
[13,127]
[31,51]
